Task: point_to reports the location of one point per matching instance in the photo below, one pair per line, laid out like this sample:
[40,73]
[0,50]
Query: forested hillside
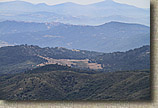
[55,82]
[136,59]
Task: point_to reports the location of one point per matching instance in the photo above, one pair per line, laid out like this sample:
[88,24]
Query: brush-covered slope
[135,59]
[55,82]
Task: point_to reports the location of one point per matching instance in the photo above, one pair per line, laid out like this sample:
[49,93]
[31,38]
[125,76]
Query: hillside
[17,59]
[93,38]
[54,82]
[23,57]
[20,58]
[136,59]
[9,27]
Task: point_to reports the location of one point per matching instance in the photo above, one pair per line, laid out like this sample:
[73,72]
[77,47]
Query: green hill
[54,82]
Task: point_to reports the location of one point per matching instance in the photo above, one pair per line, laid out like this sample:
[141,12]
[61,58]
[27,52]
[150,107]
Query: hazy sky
[137,3]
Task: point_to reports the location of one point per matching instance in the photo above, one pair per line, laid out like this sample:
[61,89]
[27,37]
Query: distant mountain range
[15,59]
[109,37]
[92,14]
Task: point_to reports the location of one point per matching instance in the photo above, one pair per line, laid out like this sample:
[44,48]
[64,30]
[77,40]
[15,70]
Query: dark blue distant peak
[115,23]
[18,2]
[107,1]
[42,4]
[67,4]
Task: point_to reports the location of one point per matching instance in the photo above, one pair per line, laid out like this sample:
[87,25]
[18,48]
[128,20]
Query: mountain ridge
[101,2]
[23,57]
[77,14]
[73,36]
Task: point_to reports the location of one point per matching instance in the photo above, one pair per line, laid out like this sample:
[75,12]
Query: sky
[137,3]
